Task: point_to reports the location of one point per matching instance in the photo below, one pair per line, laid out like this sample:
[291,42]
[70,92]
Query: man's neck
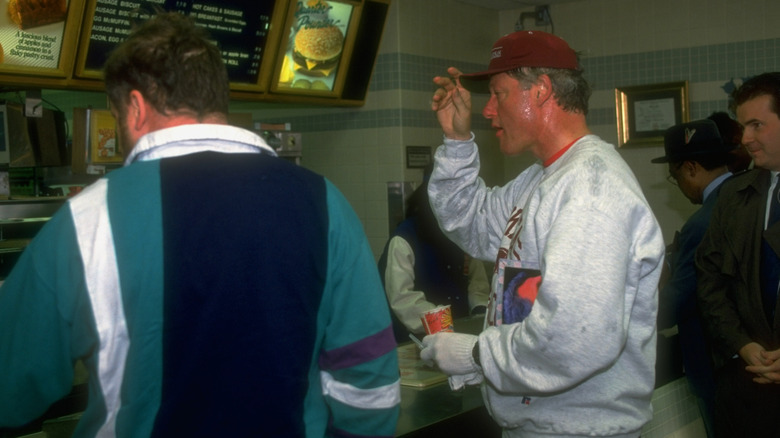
[563,128]
[161,121]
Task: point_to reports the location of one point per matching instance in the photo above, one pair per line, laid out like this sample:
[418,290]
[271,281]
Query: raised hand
[452,104]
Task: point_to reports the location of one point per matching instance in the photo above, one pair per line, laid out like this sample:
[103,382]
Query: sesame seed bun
[319,43]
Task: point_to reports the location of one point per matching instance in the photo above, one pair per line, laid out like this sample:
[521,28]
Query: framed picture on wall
[644,112]
[316,52]
[38,39]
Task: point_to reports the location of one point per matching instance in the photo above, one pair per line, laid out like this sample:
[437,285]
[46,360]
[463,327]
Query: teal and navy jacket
[211,289]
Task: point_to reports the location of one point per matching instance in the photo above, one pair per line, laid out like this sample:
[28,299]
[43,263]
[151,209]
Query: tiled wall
[711,43]
[718,67]
[623,42]
[675,413]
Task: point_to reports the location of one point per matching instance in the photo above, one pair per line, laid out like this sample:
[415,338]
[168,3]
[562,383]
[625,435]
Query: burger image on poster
[316,44]
[317,49]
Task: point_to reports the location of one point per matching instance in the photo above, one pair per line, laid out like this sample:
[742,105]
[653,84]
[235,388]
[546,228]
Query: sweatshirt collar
[558,154]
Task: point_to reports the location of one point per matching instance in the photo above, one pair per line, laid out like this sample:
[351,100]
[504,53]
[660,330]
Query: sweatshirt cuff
[459,149]
[451,141]
[464,351]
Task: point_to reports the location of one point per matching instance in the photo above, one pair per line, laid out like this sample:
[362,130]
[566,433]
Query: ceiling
[513,4]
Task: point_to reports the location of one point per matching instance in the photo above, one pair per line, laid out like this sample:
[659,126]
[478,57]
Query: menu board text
[239,28]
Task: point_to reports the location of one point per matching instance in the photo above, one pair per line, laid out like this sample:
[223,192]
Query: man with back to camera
[576,354]
[211,288]
[698,160]
[738,273]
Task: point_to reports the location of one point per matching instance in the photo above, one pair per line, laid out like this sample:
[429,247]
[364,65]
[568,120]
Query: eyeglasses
[672,177]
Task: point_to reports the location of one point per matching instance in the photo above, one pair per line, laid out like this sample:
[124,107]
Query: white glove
[452,352]
[459,382]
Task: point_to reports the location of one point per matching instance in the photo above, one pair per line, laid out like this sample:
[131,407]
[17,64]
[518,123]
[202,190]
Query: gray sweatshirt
[582,363]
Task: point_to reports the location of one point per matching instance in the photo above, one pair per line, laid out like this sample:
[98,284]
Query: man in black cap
[698,164]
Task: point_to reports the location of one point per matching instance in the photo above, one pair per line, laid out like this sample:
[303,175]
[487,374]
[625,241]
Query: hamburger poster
[316,42]
[31,32]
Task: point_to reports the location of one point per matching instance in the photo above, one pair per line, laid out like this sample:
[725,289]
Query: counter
[433,409]
[20,221]
[439,411]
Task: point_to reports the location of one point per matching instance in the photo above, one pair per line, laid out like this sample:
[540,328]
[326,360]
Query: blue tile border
[724,63]
[696,64]
[424,118]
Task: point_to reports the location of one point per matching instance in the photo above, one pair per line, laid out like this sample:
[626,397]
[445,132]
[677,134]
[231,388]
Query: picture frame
[296,75]
[96,143]
[43,49]
[644,112]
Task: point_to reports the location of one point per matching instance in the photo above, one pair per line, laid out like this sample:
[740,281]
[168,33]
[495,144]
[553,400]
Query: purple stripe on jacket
[362,351]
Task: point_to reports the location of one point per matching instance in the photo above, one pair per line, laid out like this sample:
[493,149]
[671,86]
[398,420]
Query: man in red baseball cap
[574,354]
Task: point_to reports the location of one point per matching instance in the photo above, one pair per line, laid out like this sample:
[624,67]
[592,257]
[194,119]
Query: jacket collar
[757,180]
[199,137]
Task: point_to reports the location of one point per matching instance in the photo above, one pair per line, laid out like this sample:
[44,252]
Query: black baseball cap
[692,139]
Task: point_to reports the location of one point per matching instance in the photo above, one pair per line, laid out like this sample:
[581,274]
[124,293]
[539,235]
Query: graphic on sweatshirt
[517,286]
[510,243]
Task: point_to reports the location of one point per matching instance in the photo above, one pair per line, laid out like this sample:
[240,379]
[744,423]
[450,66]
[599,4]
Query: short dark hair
[569,87]
[763,84]
[173,64]
[730,131]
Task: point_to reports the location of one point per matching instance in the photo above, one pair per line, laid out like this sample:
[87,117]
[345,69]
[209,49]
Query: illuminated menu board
[31,35]
[240,29]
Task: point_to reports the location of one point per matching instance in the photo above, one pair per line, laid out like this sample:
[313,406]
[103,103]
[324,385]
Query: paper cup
[438,320]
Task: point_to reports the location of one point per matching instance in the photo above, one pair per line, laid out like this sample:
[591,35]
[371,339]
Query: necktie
[770,262]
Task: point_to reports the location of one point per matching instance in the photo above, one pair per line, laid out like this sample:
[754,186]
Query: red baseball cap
[527,48]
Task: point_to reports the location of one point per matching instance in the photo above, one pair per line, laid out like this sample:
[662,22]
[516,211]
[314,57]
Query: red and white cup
[438,320]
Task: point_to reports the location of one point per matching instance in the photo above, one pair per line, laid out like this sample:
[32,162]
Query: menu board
[316,44]
[32,32]
[239,27]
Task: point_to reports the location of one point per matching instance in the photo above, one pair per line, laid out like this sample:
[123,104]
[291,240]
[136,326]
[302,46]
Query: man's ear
[690,167]
[137,110]
[543,89]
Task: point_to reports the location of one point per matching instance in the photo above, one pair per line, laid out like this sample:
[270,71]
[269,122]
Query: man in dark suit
[737,266]
[698,164]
